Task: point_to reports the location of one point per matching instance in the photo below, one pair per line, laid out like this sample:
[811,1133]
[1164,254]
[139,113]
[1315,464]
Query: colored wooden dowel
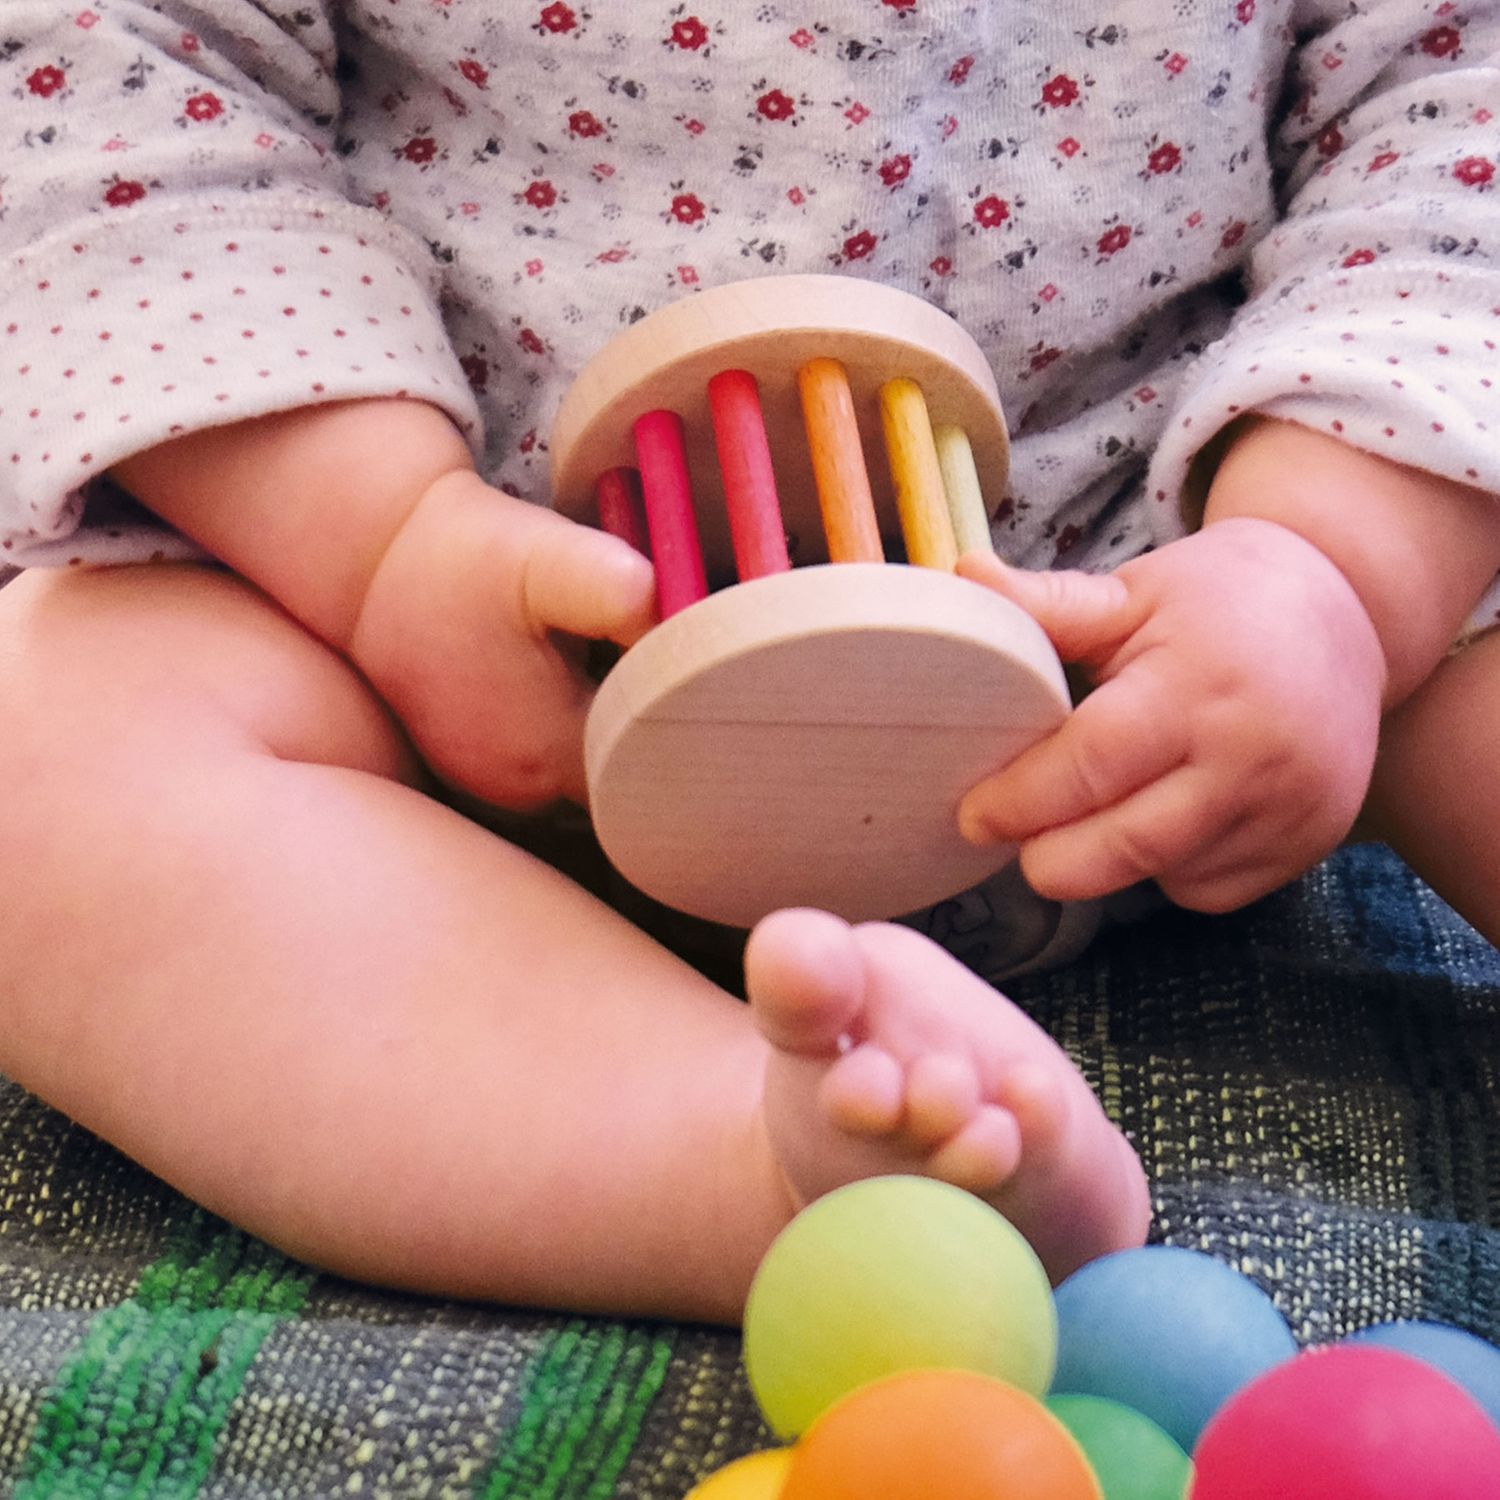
[971,521]
[661,457]
[920,500]
[838,463]
[622,512]
[755,525]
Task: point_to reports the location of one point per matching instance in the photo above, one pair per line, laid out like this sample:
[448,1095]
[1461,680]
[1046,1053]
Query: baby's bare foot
[889,1056]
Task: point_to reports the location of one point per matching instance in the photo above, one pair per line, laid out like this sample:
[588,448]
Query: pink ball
[1349,1423]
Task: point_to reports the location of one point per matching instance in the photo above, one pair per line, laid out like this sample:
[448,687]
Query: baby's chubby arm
[1241,673]
[462,606]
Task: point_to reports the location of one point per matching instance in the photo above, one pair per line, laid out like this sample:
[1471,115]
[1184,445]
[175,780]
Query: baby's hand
[1229,742]
[474,630]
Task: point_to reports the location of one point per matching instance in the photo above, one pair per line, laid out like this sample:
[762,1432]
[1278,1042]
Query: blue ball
[1463,1357]
[1170,1332]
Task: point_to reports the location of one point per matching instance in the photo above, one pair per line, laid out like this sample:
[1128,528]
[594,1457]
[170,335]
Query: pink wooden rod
[622,512]
[755,524]
[661,456]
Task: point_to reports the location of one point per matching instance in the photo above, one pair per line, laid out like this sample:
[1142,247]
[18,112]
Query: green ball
[1132,1457]
[893,1274]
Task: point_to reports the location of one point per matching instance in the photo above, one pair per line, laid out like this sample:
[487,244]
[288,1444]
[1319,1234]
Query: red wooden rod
[661,456]
[755,525]
[622,512]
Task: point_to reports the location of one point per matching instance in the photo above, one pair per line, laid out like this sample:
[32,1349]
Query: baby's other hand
[474,630]
[1228,744]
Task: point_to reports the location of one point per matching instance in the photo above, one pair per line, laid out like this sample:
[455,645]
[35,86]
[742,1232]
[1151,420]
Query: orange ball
[935,1435]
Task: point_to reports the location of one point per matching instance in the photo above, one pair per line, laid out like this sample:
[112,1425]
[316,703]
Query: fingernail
[973,828]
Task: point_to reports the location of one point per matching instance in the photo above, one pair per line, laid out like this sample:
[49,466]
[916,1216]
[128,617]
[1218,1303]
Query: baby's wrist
[1416,549]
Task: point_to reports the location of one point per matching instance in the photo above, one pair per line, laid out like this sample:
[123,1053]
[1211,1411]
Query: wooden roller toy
[801,735]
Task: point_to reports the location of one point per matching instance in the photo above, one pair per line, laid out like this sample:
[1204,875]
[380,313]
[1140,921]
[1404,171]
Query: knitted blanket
[1313,1084]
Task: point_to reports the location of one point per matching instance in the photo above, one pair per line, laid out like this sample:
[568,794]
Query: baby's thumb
[1085,615]
[587,583]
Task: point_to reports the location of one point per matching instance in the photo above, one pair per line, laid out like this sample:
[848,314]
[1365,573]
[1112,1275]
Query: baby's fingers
[586,583]
[1122,737]
[1158,829]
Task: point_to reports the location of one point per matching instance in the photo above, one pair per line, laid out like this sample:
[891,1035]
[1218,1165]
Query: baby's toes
[983,1155]
[942,1096]
[863,1093]
[1039,1099]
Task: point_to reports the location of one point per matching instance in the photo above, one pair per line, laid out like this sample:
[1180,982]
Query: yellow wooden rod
[921,501]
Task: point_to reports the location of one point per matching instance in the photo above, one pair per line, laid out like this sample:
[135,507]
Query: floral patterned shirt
[1152,214]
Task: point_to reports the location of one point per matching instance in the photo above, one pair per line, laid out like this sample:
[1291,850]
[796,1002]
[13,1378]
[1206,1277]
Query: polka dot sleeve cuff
[1399,360]
[117,338]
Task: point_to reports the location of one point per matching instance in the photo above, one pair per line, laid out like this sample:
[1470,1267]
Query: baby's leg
[1435,797]
[240,944]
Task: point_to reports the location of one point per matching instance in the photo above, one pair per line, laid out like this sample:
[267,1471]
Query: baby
[248,937]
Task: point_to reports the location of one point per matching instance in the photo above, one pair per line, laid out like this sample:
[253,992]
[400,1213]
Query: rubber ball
[939,1435]
[757,1476]
[1350,1423]
[1461,1356]
[891,1274]
[1170,1332]
[1131,1456]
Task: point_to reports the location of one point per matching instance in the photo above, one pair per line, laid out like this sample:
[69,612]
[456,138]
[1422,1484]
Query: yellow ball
[758,1476]
[887,1275]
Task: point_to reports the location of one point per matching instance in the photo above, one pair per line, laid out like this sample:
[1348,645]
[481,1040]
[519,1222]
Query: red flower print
[1330,140]
[860,245]
[689,34]
[1244,12]
[1067,537]
[1383,160]
[1059,91]
[475,72]
[45,82]
[774,105]
[204,107]
[557,18]
[476,372]
[582,123]
[991,212]
[803,38]
[540,194]
[894,170]
[1441,41]
[530,342]
[687,208]
[1475,171]
[122,194]
[1166,158]
[420,149]
[1175,63]
[1233,235]
[901,4]
[960,70]
[1114,240]
[1358,258]
[942,266]
[1069,147]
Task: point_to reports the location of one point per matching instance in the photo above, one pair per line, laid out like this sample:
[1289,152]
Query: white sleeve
[1374,304]
[178,249]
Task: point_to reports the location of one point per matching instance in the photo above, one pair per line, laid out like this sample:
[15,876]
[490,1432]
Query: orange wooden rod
[838,463]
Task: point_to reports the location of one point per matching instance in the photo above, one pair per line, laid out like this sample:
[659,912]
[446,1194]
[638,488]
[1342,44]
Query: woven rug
[1313,1084]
